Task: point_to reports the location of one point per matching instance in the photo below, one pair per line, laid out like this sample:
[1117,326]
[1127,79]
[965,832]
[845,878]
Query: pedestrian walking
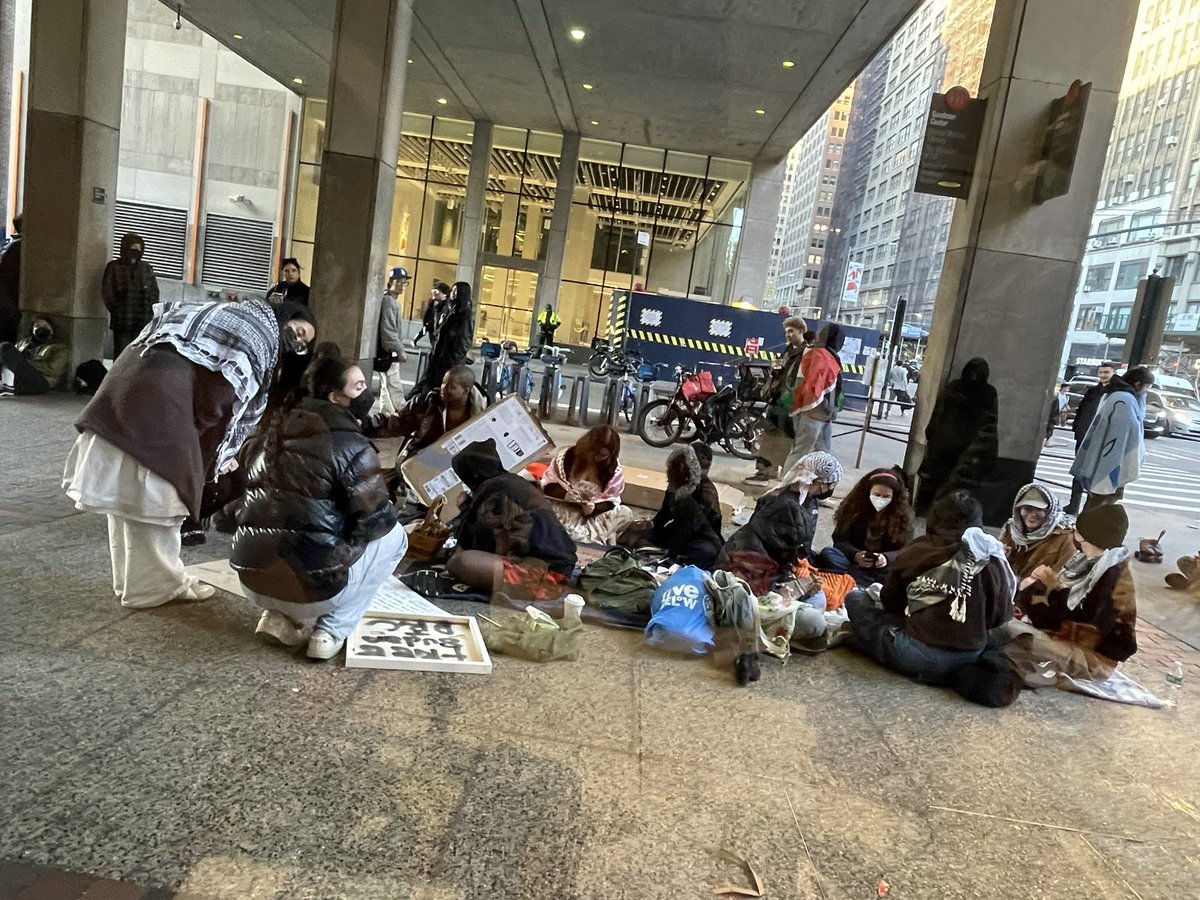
[389,355]
[1111,453]
[1084,413]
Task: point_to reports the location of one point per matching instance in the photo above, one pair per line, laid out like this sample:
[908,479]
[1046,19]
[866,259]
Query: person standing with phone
[290,285]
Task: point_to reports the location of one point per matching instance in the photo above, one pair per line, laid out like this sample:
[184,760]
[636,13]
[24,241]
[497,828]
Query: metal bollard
[577,406]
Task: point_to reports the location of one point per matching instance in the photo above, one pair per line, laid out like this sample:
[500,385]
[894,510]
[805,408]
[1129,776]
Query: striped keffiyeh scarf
[238,340]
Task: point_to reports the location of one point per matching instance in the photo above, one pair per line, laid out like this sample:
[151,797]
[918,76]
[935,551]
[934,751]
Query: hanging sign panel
[952,134]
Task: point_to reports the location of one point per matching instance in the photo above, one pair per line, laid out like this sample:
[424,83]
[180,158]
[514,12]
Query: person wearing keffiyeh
[1039,532]
[172,413]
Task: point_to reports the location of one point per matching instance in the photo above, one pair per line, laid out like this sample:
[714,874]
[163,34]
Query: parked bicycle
[698,410]
[606,357]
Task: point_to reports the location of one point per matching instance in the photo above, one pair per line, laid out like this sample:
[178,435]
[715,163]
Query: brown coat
[1105,622]
[1053,550]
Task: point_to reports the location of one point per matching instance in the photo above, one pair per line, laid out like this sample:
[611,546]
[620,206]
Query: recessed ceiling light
[442,100]
[588,87]
[297,81]
[760,112]
[577,34]
[788,64]
[594,122]
[410,62]
[238,37]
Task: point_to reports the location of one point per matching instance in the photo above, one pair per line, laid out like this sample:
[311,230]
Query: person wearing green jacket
[35,364]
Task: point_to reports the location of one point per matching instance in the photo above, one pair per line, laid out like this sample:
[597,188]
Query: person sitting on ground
[509,538]
[1081,617]
[869,528]
[683,525]
[35,364]
[706,491]
[1039,532]
[317,535]
[946,590]
[584,484]
[424,420]
[781,530]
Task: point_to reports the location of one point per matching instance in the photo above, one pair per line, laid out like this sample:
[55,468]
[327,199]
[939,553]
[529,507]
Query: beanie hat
[1103,526]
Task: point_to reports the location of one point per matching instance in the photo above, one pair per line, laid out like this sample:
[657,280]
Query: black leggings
[26,379]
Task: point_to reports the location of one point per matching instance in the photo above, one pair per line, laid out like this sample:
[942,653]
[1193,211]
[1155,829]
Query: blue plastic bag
[680,614]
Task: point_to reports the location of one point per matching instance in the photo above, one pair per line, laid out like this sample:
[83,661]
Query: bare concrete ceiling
[682,74]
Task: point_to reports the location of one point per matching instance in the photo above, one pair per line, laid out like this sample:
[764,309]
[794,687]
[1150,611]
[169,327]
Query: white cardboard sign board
[519,437]
[418,643]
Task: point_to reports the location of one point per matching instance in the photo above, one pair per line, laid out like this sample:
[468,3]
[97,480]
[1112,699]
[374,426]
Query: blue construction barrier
[676,331]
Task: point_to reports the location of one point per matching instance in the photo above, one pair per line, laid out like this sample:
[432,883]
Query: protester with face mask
[869,527]
[130,290]
[1079,620]
[944,592]
[1039,532]
[172,413]
[35,364]
[1111,453]
[781,530]
[317,534]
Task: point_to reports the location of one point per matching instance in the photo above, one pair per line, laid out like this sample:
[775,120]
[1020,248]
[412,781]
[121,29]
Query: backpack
[617,584]
[88,376]
[681,618]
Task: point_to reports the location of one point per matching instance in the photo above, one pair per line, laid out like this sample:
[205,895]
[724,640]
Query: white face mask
[880,503]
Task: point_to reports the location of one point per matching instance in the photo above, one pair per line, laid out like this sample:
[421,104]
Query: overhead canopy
[686,76]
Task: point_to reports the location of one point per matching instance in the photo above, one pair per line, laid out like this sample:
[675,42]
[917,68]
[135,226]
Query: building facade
[806,209]
[1147,217]
[896,236]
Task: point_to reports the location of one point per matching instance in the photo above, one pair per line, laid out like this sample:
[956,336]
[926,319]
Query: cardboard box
[645,488]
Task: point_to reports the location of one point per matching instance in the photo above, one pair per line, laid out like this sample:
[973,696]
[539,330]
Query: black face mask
[292,342]
[360,406]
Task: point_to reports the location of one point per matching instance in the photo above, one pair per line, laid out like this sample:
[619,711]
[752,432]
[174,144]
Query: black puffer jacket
[312,508]
[508,515]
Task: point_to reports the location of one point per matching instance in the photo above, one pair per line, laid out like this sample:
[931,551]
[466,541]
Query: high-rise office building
[813,167]
[898,237]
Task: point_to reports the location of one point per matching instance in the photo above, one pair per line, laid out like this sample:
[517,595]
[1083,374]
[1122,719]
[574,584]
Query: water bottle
[572,608]
[1174,685]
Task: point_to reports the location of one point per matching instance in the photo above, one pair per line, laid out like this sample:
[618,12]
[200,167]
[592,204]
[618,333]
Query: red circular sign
[958,98]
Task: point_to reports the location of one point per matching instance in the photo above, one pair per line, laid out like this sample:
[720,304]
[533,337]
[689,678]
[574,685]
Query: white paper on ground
[396,597]
[218,573]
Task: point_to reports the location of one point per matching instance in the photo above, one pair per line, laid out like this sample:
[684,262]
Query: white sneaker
[323,645]
[198,590]
[276,628]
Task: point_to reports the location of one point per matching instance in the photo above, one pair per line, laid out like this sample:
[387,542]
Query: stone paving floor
[167,748]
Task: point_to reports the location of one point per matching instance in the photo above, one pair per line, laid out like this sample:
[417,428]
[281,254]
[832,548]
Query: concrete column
[475,206]
[552,268]
[8,11]
[758,231]
[358,169]
[1011,266]
[72,144]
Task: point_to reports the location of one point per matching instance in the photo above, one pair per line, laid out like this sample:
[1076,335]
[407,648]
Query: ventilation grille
[164,230]
[237,254]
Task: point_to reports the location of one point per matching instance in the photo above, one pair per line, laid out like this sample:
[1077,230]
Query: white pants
[147,570]
[391,393]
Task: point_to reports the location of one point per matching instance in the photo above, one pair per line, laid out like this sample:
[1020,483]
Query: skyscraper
[897,236]
[813,167]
